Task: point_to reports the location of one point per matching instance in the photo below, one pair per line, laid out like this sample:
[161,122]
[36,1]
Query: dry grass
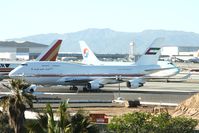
[111,111]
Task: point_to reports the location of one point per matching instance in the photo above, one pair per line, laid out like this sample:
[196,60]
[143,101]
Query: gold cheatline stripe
[53,54]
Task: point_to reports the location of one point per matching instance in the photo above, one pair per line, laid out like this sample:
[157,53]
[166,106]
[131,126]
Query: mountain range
[106,41]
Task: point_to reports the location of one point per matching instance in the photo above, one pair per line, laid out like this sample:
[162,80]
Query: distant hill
[20,44]
[109,41]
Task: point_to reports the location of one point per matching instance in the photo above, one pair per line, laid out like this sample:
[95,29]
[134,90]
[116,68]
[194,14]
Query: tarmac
[154,92]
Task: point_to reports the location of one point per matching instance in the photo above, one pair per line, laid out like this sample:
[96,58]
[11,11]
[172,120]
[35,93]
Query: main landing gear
[73,87]
[84,89]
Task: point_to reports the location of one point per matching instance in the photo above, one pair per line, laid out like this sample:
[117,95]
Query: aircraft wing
[169,79]
[157,70]
[74,80]
[86,80]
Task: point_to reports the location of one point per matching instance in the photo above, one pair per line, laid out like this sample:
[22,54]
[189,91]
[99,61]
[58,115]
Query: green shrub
[147,123]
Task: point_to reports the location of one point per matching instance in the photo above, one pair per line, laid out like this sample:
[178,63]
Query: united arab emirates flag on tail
[152,51]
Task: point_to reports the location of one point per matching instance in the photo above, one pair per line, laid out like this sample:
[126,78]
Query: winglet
[89,57]
[151,56]
[50,54]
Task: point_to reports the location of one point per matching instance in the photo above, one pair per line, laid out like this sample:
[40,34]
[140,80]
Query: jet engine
[135,83]
[94,85]
[31,89]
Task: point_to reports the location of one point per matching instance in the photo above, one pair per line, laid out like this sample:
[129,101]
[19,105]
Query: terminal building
[11,50]
[172,51]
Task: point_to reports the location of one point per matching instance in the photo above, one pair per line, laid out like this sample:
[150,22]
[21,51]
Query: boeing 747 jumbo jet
[91,77]
[89,58]
[49,54]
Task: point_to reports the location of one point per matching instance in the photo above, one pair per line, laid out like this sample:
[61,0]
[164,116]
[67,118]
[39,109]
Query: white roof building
[11,50]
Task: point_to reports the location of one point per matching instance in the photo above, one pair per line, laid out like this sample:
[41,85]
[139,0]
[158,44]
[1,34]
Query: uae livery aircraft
[90,76]
[89,58]
[49,54]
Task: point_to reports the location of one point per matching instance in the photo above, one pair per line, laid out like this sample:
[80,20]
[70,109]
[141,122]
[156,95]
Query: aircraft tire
[85,89]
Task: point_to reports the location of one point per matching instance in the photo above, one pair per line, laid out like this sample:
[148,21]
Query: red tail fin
[51,53]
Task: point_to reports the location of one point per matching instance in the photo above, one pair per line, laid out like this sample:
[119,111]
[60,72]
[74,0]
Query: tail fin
[89,57]
[151,56]
[50,54]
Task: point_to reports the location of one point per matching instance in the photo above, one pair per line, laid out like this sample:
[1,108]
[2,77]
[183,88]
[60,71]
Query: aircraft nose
[14,73]
[11,74]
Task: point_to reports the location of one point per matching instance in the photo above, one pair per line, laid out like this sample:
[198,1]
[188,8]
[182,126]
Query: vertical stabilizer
[89,57]
[51,53]
[151,56]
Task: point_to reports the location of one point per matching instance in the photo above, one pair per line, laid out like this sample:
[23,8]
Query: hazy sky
[28,17]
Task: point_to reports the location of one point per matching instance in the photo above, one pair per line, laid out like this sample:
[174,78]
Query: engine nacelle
[94,85]
[135,83]
[31,89]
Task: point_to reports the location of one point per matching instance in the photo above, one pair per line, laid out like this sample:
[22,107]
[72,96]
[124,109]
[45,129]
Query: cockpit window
[24,64]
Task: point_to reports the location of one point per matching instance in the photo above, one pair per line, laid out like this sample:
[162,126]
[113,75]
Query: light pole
[119,78]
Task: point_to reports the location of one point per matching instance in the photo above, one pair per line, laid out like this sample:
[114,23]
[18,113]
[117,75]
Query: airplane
[188,58]
[90,76]
[89,58]
[49,54]
[194,60]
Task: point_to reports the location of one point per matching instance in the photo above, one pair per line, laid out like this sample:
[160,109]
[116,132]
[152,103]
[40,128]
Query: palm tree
[64,118]
[47,123]
[62,124]
[4,123]
[51,121]
[15,103]
[80,123]
[38,126]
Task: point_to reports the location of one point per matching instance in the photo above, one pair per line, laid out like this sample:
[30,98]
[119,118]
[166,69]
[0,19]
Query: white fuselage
[163,64]
[165,73]
[56,73]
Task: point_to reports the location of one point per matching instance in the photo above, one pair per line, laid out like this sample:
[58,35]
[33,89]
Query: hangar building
[11,50]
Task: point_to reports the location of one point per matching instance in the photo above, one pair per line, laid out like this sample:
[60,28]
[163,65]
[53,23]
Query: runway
[159,92]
